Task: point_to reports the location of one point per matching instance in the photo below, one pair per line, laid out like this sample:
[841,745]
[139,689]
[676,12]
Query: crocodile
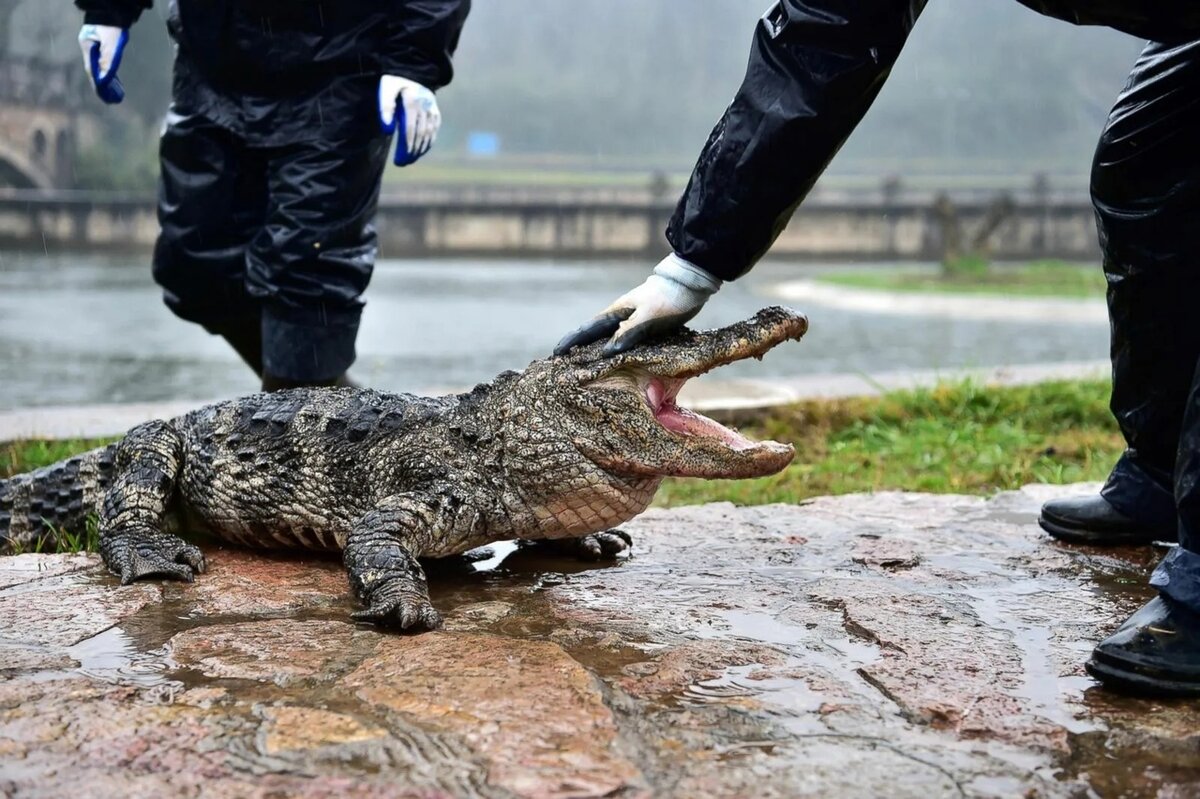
[563,451]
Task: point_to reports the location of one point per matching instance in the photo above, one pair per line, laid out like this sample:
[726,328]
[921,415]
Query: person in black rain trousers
[815,67]
[271,159]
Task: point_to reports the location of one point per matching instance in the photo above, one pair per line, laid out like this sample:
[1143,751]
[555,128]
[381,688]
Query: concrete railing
[575,226]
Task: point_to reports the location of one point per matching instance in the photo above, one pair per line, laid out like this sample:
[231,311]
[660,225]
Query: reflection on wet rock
[536,715]
[276,650]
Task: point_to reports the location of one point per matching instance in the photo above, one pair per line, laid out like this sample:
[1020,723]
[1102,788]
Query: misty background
[984,88]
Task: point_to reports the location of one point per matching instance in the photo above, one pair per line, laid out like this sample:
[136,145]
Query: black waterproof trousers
[1146,189]
[271,161]
[280,236]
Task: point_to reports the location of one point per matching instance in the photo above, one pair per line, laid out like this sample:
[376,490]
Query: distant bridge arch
[19,171]
[37,127]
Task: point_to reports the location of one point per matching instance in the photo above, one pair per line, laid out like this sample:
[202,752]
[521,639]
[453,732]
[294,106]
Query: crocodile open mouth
[657,371]
[661,394]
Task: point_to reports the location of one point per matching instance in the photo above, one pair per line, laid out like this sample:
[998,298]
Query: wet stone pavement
[894,645]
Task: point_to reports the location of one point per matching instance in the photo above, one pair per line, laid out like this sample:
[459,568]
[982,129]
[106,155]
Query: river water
[90,329]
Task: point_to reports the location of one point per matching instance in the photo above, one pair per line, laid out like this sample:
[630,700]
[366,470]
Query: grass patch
[1039,279]
[18,457]
[85,540]
[956,438]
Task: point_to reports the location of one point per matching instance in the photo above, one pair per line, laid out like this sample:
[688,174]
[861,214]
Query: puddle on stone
[786,695]
[719,689]
[114,657]
[785,700]
[993,512]
[1042,688]
[851,654]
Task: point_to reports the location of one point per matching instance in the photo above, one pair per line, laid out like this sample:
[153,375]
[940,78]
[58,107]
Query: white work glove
[419,117]
[102,46]
[667,300]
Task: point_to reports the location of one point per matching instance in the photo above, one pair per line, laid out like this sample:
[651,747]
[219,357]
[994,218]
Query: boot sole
[1076,535]
[1132,682]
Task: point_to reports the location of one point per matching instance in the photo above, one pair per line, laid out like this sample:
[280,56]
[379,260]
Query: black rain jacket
[815,68]
[282,71]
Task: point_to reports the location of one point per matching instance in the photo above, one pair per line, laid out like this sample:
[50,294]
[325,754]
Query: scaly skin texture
[567,449]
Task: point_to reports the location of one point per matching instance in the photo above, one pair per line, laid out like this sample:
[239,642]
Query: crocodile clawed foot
[608,545]
[139,555]
[400,610]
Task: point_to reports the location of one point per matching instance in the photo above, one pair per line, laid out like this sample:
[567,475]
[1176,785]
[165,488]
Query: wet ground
[897,645]
[78,330]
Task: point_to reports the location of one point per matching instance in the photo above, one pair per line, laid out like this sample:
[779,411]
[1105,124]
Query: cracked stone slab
[28,568]
[950,628]
[282,651]
[246,583]
[893,644]
[69,606]
[536,715]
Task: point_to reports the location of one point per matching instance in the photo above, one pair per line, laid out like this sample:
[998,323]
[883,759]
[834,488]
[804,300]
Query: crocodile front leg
[384,572]
[132,542]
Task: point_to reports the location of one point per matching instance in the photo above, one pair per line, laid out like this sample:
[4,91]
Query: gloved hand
[667,300]
[102,47]
[419,117]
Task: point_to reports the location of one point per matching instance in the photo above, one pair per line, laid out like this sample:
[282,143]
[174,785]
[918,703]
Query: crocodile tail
[52,508]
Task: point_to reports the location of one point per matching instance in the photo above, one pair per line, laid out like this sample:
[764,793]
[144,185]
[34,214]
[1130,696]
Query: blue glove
[409,106]
[102,46]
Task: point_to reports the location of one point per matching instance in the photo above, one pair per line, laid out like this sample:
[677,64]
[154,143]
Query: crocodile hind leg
[384,572]
[132,541]
[608,545]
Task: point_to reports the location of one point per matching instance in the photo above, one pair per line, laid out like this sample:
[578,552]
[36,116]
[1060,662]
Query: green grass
[957,438]
[1039,279]
[17,457]
[85,540]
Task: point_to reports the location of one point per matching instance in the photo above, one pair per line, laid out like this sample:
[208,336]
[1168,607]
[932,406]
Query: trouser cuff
[1178,577]
[1139,493]
[302,350]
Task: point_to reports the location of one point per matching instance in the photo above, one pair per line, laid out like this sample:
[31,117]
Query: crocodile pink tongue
[656,393]
[680,420]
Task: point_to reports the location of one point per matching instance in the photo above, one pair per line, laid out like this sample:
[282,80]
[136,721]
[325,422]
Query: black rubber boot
[1092,520]
[1155,653]
[272,383]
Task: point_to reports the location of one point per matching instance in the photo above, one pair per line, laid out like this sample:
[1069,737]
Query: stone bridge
[440,223]
[38,122]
